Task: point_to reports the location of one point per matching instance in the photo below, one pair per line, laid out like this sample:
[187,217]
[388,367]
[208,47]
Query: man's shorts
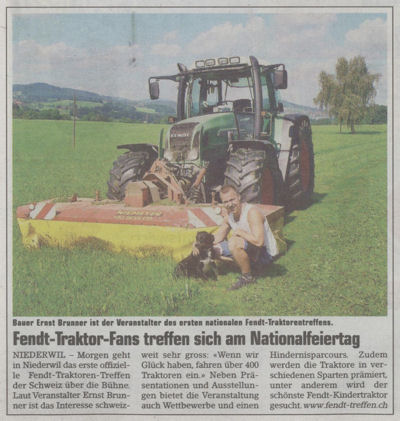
[258,255]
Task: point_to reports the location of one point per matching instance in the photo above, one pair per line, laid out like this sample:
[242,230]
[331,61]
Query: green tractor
[229,129]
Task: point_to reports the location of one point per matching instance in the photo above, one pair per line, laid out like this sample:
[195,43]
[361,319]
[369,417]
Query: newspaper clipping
[199,210]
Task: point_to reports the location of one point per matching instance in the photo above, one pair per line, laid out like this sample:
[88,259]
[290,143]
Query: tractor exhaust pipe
[255,68]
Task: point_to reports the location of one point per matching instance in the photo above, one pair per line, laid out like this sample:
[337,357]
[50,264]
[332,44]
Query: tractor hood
[197,138]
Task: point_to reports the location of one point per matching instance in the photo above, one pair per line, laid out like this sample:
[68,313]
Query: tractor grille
[180,138]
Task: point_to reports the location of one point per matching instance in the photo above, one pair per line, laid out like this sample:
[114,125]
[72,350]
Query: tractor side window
[239,89]
[204,96]
[278,97]
[246,125]
[195,103]
[212,93]
[265,94]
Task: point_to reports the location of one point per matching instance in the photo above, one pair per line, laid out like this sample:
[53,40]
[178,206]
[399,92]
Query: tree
[376,114]
[347,94]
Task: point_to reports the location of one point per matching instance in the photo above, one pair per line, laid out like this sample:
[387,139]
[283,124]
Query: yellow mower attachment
[165,230]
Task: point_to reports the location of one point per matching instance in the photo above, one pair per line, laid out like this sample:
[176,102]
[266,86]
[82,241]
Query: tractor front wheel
[256,175]
[130,166]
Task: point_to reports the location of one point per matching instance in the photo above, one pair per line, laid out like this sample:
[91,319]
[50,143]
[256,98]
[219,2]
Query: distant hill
[43,92]
[40,96]
[312,112]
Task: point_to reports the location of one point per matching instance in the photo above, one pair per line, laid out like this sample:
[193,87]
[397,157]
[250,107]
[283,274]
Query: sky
[115,53]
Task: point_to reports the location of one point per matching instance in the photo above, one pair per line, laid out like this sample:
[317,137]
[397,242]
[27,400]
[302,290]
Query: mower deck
[166,230]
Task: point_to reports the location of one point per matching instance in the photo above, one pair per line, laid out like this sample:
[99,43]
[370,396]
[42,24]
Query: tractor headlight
[200,63]
[210,62]
[193,154]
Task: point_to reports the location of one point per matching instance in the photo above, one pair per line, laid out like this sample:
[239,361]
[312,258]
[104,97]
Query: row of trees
[373,114]
[347,94]
[34,114]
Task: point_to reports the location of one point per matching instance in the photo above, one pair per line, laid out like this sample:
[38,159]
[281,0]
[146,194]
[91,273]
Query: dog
[201,266]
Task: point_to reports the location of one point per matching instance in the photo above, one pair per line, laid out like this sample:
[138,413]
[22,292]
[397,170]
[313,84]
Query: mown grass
[335,265]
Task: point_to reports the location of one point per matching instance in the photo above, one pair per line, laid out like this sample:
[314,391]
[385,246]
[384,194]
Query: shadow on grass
[318,198]
[289,244]
[289,219]
[226,267]
[272,271]
[94,244]
[315,198]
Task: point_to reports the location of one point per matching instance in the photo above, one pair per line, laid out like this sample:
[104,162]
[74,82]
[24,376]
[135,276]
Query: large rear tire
[130,166]
[300,171]
[256,175]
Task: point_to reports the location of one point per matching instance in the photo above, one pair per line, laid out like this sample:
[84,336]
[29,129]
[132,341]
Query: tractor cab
[231,89]
[235,85]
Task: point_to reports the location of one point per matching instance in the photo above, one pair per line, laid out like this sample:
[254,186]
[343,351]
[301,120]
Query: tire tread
[129,166]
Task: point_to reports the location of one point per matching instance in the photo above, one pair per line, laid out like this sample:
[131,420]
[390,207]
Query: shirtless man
[252,244]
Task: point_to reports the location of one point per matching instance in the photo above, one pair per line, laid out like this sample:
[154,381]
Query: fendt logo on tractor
[229,129]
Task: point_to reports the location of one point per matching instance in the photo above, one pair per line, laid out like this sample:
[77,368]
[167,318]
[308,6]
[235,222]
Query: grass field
[335,265]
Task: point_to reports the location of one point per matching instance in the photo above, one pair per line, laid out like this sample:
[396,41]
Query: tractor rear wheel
[256,175]
[300,172]
[130,166]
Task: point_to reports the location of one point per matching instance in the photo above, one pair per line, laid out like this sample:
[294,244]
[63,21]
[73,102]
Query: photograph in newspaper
[166,164]
[111,187]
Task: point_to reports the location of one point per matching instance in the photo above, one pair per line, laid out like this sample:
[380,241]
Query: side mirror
[280,107]
[280,79]
[154,89]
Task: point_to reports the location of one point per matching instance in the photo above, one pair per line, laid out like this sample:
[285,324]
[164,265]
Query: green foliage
[35,114]
[347,94]
[335,265]
[375,114]
[87,111]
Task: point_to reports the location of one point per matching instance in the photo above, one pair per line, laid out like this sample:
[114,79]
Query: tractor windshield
[211,93]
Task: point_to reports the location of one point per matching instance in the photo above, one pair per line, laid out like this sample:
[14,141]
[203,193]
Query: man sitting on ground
[252,244]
